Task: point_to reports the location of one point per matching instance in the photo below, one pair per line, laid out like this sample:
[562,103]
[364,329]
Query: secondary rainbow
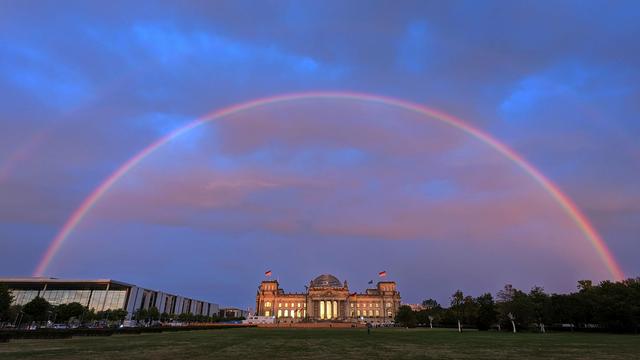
[563,200]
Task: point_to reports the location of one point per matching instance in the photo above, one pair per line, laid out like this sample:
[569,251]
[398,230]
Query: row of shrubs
[44,333]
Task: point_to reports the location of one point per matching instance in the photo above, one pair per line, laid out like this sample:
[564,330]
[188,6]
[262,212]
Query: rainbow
[563,200]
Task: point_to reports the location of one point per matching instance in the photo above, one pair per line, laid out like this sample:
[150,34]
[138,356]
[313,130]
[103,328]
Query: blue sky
[85,85]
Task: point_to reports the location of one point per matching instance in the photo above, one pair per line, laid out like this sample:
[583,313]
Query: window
[389,314]
[267,304]
[358,304]
[370,312]
[305,304]
[377,312]
[279,304]
[377,305]
[299,304]
[267,313]
[286,313]
[279,313]
[370,305]
[351,304]
[286,304]
[388,304]
[358,312]
[351,313]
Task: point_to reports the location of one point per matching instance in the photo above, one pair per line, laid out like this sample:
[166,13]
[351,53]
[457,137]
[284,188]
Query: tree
[37,309]
[406,317]
[6,298]
[165,316]
[515,307]
[15,314]
[541,306]
[617,304]
[153,313]
[141,315]
[185,317]
[469,310]
[88,315]
[456,305]
[487,314]
[430,304]
[113,315]
[64,312]
[585,285]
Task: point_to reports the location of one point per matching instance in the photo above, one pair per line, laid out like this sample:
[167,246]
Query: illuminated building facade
[104,294]
[327,299]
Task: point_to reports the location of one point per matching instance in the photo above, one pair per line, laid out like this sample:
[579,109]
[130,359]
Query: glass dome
[326,280]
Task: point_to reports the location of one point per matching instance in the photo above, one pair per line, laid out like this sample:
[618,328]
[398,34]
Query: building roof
[51,280]
[325,281]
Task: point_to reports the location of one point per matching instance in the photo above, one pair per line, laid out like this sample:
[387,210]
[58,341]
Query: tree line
[607,306]
[40,311]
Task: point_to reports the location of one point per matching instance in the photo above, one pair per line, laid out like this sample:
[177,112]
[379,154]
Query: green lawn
[330,344]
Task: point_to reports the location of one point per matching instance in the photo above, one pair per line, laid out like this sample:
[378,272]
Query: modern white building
[105,294]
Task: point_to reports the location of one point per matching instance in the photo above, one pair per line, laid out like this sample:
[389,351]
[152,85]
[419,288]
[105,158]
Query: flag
[370,282]
[267,273]
[382,273]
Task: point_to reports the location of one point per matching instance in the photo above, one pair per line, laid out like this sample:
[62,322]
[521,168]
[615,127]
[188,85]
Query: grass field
[330,344]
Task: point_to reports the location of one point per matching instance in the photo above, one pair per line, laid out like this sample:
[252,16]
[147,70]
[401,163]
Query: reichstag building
[328,299]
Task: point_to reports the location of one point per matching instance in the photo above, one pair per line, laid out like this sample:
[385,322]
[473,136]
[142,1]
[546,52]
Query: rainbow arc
[581,221]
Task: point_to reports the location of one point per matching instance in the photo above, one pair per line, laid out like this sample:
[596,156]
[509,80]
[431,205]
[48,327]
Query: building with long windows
[104,294]
[327,299]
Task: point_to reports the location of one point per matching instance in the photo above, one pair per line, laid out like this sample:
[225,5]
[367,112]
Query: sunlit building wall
[104,294]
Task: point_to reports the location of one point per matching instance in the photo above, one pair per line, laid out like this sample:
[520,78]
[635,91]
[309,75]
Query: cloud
[44,77]
[85,86]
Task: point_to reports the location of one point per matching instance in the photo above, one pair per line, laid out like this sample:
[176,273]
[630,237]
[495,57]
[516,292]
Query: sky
[317,186]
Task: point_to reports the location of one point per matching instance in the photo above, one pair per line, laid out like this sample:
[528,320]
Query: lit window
[299,304]
[279,313]
[286,313]
[377,305]
[286,304]
[267,304]
[351,304]
[370,312]
[305,304]
[377,312]
[358,304]
[279,304]
[293,314]
[358,312]
[267,313]
[370,305]
[389,313]
[351,314]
